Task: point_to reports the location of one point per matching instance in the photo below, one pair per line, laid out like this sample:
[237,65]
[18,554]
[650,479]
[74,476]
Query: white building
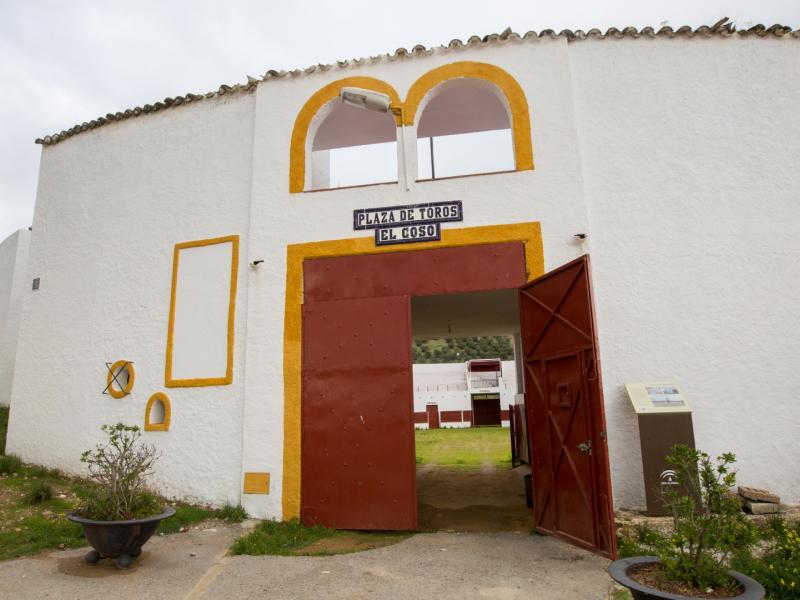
[188,238]
[452,394]
[13,284]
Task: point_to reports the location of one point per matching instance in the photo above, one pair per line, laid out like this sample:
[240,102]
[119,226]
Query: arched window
[352,146]
[464,128]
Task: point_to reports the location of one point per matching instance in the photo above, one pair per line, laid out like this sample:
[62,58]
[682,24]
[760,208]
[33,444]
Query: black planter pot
[619,569]
[120,540]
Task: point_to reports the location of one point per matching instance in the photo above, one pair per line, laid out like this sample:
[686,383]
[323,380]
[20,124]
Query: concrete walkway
[194,565]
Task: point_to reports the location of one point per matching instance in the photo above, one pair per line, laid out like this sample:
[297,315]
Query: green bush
[10,464]
[708,524]
[778,567]
[39,492]
[119,468]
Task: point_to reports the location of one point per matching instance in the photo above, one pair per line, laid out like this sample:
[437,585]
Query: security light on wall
[368,99]
[378,102]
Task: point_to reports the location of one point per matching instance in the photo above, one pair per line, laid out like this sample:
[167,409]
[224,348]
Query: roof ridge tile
[722,28]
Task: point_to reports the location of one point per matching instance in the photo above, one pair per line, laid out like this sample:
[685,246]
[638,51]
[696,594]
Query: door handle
[585,447]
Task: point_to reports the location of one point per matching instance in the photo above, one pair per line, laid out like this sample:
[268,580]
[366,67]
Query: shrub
[10,464]
[120,468]
[39,492]
[708,525]
[778,568]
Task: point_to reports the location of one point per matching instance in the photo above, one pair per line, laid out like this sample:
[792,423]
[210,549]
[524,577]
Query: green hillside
[453,350]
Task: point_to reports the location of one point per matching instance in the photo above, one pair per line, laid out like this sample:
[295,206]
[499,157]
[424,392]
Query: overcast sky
[62,63]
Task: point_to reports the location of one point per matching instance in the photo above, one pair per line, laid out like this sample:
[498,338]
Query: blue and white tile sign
[410,223]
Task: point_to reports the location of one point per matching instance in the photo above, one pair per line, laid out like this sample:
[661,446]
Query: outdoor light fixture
[378,102]
[368,99]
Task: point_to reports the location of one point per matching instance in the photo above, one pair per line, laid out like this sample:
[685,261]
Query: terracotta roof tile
[722,28]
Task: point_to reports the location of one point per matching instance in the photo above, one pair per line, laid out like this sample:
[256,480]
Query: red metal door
[564,409]
[433,416]
[357,463]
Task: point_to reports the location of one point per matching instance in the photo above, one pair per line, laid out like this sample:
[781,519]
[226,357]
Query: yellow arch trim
[158,397]
[169,381]
[528,233]
[119,365]
[520,117]
[297,151]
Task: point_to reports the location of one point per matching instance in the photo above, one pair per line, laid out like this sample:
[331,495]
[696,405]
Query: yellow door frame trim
[169,381]
[528,233]
[517,103]
[297,150]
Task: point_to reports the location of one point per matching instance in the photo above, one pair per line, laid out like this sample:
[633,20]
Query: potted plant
[119,514]
[708,525]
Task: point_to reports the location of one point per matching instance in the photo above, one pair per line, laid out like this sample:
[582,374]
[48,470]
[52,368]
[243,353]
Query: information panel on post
[656,397]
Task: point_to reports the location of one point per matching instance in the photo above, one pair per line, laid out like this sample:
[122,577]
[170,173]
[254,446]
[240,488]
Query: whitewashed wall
[111,205]
[690,156]
[552,194]
[676,156]
[13,282]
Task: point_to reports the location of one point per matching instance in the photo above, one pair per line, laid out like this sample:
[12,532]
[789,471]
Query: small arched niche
[351,146]
[464,128]
[157,413]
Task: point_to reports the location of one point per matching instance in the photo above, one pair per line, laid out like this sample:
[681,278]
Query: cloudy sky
[65,62]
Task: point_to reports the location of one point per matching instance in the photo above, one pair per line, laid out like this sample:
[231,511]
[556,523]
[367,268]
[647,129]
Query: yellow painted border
[164,399]
[228,378]
[113,392]
[517,103]
[528,233]
[297,151]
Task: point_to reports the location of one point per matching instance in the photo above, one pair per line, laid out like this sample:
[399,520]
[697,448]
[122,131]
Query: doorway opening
[465,384]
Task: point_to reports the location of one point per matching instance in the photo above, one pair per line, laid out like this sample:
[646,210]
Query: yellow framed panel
[169,380]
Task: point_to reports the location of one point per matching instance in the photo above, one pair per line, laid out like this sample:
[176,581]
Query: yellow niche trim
[158,397]
[297,151]
[203,381]
[120,364]
[528,233]
[256,483]
[518,104]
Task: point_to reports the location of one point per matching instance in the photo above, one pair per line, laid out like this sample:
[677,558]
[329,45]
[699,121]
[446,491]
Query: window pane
[468,153]
[360,165]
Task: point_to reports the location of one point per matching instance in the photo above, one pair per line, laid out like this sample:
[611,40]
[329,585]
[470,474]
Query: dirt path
[485,499]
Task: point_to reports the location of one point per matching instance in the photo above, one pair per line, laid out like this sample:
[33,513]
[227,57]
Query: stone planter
[120,540]
[619,569]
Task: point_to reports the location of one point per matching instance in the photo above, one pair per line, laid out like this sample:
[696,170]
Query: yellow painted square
[256,483]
